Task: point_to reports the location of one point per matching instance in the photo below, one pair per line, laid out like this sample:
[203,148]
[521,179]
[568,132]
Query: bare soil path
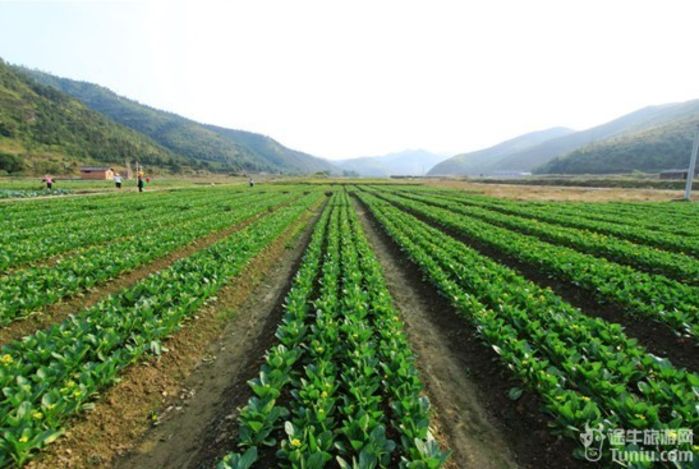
[465,384]
[200,425]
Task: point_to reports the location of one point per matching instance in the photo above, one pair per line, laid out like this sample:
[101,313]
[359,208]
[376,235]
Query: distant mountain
[663,144]
[482,161]
[43,130]
[403,163]
[203,145]
[649,139]
[637,121]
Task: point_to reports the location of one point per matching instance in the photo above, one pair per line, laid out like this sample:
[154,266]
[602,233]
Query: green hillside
[44,130]
[206,146]
[649,139]
[275,155]
[651,150]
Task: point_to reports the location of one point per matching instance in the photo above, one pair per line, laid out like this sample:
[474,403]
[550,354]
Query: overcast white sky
[355,78]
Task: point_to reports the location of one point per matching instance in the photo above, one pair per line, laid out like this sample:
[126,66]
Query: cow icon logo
[592,439]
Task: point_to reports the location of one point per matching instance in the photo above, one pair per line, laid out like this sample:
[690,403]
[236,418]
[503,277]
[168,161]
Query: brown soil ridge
[57,312]
[466,383]
[210,420]
[153,393]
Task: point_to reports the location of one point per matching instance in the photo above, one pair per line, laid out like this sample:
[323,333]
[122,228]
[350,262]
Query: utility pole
[692,166]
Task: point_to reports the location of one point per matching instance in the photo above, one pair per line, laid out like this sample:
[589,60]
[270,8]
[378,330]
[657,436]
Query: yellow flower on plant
[7,359]
[37,415]
[324,394]
[23,439]
[295,442]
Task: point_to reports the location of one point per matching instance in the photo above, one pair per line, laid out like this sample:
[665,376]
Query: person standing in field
[251,182]
[117,180]
[140,183]
[49,181]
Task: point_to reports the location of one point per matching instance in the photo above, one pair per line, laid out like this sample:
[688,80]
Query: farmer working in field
[117,180]
[141,183]
[49,181]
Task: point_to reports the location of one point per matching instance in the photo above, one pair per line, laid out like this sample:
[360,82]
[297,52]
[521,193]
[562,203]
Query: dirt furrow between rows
[464,381]
[161,410]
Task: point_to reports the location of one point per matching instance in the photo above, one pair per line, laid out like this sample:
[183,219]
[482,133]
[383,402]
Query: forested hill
[205,146]
[665,145]
[45,130]
[650,139]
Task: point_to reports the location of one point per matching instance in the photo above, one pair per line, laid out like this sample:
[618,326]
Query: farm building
[91,172]
[676,174]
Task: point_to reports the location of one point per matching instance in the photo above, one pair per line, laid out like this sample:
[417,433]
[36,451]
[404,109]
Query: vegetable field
[344,325]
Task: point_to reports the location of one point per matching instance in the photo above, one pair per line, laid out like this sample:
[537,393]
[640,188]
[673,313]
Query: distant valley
[403,163]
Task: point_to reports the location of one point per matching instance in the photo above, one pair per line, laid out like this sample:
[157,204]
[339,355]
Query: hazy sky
[354,78]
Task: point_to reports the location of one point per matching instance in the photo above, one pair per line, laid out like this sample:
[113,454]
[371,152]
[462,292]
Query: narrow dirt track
[461,414]
[464,378]
[200,426]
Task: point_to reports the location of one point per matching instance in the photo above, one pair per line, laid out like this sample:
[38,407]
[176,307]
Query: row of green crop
[665,219]
[663,216]
[651,296]
[342,361]
[32,214]
[669,210]
[45,242]
[662,240]
[54,373]
[684,269]
[63,212]
[27,290]
[61,216]
[585,371]
[25,194]
[29,212]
